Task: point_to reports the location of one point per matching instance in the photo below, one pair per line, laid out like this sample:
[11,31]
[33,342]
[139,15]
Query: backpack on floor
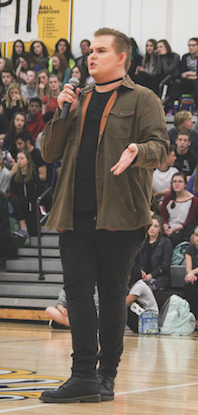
[187,103]
[178,256]
[176,318]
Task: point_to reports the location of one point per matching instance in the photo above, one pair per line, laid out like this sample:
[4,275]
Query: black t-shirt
[37,159]
[193,252]
[150,250]
[85,188]
[187,162]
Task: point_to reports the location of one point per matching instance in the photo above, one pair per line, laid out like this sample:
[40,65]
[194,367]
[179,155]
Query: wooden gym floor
[157,375]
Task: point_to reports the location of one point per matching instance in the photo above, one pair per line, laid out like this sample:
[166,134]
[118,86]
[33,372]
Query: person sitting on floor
[154,257]
[140,294]
[59,314]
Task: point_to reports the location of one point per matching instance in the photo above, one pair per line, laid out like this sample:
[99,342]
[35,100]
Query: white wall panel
[174,20]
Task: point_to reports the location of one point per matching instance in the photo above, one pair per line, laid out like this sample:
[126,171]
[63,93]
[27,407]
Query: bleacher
[23,296]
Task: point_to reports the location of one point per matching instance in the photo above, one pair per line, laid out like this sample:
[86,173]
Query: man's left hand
[126,159]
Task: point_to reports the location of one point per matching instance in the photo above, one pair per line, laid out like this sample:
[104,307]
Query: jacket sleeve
[164,266]
[164,211]
[54,137]
[152,140]
[174,64]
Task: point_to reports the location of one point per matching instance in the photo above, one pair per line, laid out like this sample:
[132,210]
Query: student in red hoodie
[34,118]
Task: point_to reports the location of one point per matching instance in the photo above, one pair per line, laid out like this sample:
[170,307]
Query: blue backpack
[178,256]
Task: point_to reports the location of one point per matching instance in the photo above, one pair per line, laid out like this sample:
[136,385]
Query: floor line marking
[116,394]
[23,408]
[156,389]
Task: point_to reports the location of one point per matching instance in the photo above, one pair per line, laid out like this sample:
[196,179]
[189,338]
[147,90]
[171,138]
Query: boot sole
[88,398]
[107,398]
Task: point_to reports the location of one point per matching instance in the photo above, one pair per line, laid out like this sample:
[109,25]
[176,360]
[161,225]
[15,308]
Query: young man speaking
[114,135]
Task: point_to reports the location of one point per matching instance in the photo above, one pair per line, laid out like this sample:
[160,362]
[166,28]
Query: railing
[39,223]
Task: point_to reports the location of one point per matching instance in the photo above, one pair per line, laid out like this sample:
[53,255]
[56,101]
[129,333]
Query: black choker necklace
[110,82]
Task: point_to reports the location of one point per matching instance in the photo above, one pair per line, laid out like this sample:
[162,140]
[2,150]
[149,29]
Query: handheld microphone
[66,106]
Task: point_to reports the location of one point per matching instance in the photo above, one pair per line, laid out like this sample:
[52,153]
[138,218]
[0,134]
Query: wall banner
[29,20]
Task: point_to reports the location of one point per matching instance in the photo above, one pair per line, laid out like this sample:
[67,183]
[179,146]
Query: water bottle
[175,106]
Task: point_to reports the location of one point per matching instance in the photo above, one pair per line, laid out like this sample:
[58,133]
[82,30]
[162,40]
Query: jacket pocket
[119,123]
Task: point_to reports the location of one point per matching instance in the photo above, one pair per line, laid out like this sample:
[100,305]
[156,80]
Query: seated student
[183,120]
[179,210]
[191,281]
[34,118]
[186,159]
[7,78]
[29,89]
[189,70]
[13,101]
[27,62]
[148,73]
[59,314]
[154,257]
[5,176]
[23,142]
[82,60]
[49,102]
[163,175]
[39,50]
[140,292]
[25,187]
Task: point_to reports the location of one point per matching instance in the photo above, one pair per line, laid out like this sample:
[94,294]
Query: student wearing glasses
[189,68]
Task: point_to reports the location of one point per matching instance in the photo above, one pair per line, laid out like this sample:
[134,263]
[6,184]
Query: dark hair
[171,148]
[147,57]
[15,56]
[7,69]
[11,130]
[44,49]
[30,59]
[48,116]
[36,99]
[173,193]
[24,135]
[195,39]
[183,131]
[83,77]
[63,66]
[166,44]
[68,54]
[85,40]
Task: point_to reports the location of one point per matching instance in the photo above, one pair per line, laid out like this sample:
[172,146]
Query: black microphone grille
[74,82]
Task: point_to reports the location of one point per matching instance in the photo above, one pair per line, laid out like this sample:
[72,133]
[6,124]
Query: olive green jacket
[133,114]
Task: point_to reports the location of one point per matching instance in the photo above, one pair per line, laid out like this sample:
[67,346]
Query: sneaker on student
[54,325]
[21,233]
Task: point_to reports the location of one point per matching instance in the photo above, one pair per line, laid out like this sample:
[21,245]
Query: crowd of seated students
[30,82]
[161,62]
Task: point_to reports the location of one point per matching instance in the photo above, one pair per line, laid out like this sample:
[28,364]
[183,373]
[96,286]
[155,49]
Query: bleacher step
[36,290]
[32,265]
[30,277]
[33,252]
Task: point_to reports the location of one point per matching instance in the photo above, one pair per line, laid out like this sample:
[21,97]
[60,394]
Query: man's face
[34,108]
[7,78]
[103,61]
[84,48]
[20,144]
[183,143]
[171,159]
[188,124]
[193,47]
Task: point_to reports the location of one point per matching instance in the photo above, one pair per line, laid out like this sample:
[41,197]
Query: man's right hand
[68,95]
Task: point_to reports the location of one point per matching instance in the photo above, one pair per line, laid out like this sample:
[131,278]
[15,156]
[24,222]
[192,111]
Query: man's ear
[122,59]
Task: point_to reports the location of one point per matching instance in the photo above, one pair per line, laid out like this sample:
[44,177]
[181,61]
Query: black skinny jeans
[89,256]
